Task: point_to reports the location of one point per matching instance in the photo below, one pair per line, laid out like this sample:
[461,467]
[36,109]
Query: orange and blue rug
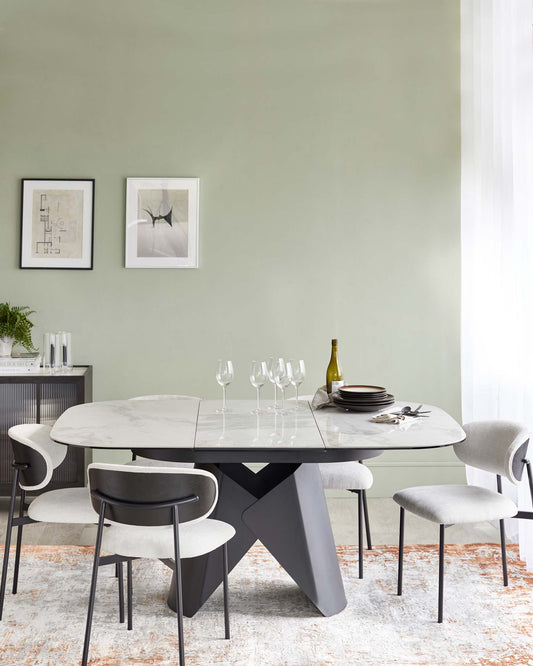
[272,622]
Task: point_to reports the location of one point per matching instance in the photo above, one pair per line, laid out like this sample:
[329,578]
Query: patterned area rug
[272,622]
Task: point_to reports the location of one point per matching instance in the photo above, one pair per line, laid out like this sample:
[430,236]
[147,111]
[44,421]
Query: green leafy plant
[15,323]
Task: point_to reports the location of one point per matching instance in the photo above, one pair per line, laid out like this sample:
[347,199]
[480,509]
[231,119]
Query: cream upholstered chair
[355,477]
[494,446]
[36,456]
[155,512]
[139,460]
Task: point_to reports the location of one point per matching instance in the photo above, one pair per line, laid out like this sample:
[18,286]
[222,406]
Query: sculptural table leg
[284,507]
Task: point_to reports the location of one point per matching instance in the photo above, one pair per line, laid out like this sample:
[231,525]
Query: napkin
[322,399]
[394,419]
[388,418]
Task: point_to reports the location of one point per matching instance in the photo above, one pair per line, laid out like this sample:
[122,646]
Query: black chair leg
[120,571]
[441,573]
[360,529]
[19,542]
[400,551]
[367,522]
[502,531]
[179,595]
[130,595]
[8,540]
[225,583]
[92,593]
[504,553]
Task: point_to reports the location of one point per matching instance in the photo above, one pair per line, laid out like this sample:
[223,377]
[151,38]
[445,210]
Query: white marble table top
[126,424]
[241,429]
[194,424]
[352,430]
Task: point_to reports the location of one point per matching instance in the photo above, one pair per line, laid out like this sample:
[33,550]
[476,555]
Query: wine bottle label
[336,385]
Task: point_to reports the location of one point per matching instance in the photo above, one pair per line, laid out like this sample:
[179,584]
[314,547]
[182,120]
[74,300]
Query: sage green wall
[326,139]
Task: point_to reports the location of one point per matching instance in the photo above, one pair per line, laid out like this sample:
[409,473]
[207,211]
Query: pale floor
[384,517]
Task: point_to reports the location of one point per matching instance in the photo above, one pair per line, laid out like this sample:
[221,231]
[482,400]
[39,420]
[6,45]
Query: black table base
[283,506]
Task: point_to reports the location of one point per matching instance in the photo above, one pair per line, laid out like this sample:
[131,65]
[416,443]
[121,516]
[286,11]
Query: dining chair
[139,460]
[355,477]
[351,475]
[36,456]
[155,512]
[498,447]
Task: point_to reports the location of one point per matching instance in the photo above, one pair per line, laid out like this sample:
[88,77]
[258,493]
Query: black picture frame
[57,223]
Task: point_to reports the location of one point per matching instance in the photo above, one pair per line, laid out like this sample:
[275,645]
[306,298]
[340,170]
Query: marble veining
[347,430]
[191,423]
[125,424]
[239,428]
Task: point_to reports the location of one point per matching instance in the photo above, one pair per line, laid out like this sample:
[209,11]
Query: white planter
[5,346]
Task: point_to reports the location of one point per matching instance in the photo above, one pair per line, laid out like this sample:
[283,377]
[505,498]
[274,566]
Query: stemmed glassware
[271,364]
[258,377]
[282,379]
[224,375]
[296,373]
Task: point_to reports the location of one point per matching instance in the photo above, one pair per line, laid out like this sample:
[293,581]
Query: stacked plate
[361,398]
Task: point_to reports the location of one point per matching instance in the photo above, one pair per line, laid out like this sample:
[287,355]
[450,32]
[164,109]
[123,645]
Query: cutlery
[407,411]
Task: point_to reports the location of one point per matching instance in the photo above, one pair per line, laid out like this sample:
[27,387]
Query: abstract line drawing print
[57,224]
[165,232]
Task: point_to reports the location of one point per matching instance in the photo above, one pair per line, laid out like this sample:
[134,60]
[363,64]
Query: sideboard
[42,397]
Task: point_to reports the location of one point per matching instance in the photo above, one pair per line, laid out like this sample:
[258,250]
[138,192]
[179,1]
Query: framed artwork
[57,223]
[162,222]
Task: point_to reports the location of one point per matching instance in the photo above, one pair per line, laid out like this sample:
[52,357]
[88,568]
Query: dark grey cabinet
[41,398]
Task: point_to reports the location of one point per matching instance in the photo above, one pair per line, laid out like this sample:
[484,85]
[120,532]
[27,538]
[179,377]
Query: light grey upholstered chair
[155,512]
[355,477]
[494,446]
[139,460]
[36,456]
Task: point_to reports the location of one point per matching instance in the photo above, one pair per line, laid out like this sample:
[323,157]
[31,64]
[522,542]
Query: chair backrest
[165,396]
[495,446]
[149,485]
[33,446]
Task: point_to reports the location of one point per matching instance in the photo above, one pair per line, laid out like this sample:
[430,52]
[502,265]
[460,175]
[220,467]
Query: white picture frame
[162,222]
[57,223]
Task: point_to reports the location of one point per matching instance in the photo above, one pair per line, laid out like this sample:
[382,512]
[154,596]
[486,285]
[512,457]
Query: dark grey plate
[361,407]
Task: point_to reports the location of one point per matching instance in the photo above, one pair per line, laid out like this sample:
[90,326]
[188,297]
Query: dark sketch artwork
[57,224]
[163,225]
[167,218]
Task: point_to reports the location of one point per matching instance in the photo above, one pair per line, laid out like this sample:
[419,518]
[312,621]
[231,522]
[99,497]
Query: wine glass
[258,377]
[296,372]
[271,364]
[282,379]
[224,375]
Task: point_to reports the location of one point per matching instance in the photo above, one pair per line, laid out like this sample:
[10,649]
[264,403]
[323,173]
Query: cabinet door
[54,399]
[39,402]
[18,404]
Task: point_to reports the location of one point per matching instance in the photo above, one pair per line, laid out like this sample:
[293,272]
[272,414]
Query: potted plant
[15,327]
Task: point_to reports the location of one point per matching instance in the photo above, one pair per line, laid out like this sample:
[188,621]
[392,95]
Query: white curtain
[497,224]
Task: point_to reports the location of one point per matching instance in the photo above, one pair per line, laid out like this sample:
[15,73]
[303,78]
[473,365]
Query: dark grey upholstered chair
[494,446]
[155,512]
[35,457]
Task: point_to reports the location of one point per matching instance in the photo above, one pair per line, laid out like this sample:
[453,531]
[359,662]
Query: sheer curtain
[497,223]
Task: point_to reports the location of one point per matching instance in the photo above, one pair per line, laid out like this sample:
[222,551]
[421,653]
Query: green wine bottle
[334,377]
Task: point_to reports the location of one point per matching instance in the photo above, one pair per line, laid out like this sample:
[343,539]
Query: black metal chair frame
[362,511]
[527,515]
[118,560]
[19,522]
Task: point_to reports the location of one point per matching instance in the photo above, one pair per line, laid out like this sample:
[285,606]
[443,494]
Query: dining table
[281,502]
